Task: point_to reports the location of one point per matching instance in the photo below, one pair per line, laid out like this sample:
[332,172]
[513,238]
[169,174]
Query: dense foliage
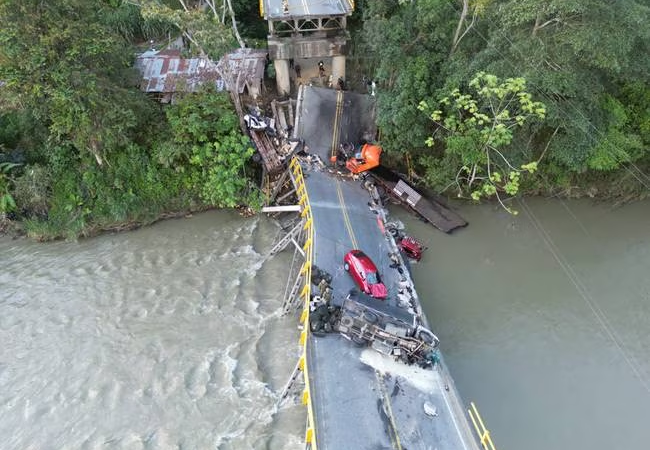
[475,132]
[585,60]
[485,97]
[81,148]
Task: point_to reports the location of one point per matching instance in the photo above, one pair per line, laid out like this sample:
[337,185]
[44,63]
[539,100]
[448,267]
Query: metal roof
[284,9]
[166,71]
[246,66]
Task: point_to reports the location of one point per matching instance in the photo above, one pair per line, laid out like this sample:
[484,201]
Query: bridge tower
[310,30]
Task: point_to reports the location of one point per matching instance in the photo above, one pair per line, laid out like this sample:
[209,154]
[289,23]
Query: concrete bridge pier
[338,68]
[306,33]
[282,77]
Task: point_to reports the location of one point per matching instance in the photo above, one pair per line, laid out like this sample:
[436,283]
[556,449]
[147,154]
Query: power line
[560,109]
[601,318]
[582,115]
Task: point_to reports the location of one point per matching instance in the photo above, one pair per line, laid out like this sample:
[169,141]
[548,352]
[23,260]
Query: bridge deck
[433,211]
[303,9]
[362,399]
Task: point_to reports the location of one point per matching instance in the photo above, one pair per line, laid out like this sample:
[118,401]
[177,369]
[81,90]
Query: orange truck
[366,158]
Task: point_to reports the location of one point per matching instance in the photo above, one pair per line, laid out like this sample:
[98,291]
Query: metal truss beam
[306,26]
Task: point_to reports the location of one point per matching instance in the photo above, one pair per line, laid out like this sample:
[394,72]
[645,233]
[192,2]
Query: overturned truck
[362,321]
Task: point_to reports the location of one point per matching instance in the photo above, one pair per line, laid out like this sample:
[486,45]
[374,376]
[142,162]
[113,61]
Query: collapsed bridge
[372,371]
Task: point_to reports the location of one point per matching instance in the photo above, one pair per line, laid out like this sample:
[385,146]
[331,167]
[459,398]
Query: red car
[364,273]
[411,247]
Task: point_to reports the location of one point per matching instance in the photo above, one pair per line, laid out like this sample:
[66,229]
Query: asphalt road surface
[362,399]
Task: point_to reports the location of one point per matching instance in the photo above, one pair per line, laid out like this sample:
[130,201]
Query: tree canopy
[485,97]
[585,60]
[80,146]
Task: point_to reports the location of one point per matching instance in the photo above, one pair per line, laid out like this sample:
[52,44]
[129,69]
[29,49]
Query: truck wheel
[346,266]
[346,321]
[361,342]
[316,325]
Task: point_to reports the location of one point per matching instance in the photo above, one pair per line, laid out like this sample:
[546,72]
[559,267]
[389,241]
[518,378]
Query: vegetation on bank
[584,60]
[483,98]
[82,149]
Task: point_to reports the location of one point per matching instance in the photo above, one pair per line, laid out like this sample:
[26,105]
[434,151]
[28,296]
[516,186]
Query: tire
[346,266]
[316,325]
[347,321]
[361,342]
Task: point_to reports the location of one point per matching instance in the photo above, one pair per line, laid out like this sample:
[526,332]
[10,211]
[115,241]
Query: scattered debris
[430,410]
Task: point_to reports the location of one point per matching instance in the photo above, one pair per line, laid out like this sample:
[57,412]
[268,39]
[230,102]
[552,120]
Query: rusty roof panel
[166,72]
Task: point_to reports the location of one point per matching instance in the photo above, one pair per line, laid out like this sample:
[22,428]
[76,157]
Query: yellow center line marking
[346,218]
[394,437]
[339,191]
[337,124]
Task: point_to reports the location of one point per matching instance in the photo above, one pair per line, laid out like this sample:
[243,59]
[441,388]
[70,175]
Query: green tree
[126,19]
[203,23]
[403,47]
[207,145]
[7,202]
[585,59]
[476,131]
[97,151]
[575,55]
[70,71]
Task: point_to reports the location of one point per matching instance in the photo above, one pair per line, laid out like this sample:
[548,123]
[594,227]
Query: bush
[32,191]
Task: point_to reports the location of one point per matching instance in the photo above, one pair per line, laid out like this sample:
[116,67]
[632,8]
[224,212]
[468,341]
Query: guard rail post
[308,247]
[482,432]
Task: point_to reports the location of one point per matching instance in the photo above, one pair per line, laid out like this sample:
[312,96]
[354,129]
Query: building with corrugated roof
[165,74]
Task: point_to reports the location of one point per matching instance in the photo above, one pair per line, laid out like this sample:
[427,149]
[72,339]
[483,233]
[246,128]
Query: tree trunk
[183,5]
[213,7]
[242,44]
[538,21]
[461,21]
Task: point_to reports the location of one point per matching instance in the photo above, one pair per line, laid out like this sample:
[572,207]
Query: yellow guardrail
[482,432]
[261,8]
[308,248]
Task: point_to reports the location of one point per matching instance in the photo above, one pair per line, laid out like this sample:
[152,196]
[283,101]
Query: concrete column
[338,68]
[282,77]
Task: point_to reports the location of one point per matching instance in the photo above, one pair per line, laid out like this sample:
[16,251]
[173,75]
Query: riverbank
[16,229]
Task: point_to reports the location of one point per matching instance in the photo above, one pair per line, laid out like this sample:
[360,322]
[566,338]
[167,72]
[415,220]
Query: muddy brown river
[170,337]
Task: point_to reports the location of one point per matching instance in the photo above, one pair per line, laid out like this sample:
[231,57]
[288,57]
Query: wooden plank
[267,150]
